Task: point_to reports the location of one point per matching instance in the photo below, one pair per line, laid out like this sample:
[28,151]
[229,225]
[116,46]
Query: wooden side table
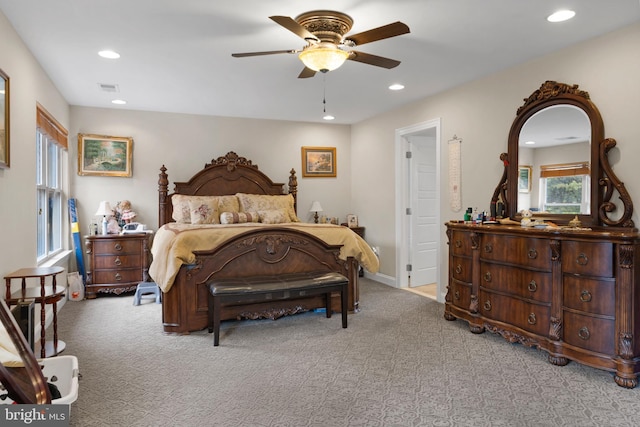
[43,295]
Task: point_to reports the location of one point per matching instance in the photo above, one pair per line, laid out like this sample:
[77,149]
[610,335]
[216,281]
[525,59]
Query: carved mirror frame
[603,180]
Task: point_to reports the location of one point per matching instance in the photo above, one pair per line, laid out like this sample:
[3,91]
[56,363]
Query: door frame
[403,199]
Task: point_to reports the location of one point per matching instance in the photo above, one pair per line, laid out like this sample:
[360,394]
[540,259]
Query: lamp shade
[323,57]
[315,207]
[104,209]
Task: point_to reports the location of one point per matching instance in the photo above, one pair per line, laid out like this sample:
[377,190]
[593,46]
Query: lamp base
[315,217]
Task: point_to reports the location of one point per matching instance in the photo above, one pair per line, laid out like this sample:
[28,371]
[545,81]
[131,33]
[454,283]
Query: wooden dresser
[572,292]
[116,263]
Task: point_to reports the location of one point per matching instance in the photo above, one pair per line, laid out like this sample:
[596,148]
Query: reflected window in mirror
[565,188]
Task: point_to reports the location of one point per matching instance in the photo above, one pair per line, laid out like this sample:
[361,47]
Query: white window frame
[50,179]
[585,200]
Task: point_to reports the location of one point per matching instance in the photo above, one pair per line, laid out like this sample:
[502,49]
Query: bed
[188,255]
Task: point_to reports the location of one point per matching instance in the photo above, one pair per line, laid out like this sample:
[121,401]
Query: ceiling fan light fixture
[323,57]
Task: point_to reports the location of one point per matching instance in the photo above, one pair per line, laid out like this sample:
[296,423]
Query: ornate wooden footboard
[254,253]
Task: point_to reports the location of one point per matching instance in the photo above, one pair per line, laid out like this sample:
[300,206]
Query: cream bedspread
[174,244]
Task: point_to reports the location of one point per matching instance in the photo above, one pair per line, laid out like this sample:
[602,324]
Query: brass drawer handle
[488,248]
[533,254]
[458,243]
[118,247]
[532,319]
[582,259]
[458,269]
[532,286]
[487,305]
[487,276]
[456,295]
[584,333]
[585,296]
[118,261]
[118,277]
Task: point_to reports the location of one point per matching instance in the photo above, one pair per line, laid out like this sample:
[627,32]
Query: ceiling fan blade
[306,73]
[291,25]
[268,52]
[378,61]
[380,33]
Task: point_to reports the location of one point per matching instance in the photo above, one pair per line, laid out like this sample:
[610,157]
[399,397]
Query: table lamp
[104,210]
[315,207]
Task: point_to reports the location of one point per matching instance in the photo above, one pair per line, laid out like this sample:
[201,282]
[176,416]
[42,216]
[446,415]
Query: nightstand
[116,263]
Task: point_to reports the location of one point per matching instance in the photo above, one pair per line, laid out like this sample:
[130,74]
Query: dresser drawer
[460,268]
[535,285]
[460,294]
[117,276]
[528,316]
[589,295]
[121,246]
[460,243]
[117,261]
[525,251]
[588,258]
[591,333]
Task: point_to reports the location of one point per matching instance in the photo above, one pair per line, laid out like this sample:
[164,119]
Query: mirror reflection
[554,152]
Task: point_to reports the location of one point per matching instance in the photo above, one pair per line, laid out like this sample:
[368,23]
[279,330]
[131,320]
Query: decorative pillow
[263,202]
[204,210]
[238,217]
[274,216]
[228,204]
[181,212]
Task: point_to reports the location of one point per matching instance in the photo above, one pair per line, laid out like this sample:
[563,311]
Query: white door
[423,228]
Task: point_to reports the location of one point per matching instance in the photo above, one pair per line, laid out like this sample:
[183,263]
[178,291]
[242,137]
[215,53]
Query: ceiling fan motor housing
[326,25]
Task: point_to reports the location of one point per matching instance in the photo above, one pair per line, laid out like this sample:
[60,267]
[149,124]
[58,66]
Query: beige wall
[184,143]
[29,85]
[481,112]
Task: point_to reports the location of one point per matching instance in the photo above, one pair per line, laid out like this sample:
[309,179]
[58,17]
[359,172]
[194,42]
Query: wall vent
[106,87]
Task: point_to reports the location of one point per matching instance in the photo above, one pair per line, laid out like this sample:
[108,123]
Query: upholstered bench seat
[270,288]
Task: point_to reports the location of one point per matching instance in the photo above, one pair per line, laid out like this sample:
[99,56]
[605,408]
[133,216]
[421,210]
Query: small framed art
[319,162]
[352,221]
[101,155]
[524,179]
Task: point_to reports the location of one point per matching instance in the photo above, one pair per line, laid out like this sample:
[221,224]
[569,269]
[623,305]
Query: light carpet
[399,363]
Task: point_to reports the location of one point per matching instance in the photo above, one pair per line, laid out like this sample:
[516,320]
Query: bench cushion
[259,284]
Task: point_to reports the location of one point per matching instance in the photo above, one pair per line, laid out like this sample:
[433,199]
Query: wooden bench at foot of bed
[258,289]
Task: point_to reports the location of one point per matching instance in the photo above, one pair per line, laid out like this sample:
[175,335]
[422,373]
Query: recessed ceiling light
[119,101]
[530,143]
[328,117]
[396,86]
[109,54]
[561,15]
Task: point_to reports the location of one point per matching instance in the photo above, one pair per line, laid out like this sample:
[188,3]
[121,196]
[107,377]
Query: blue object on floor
[147,290]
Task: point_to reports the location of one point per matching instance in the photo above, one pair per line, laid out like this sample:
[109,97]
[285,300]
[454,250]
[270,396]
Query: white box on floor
[62,371]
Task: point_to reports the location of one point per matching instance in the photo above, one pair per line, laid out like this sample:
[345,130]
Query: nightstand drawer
[120,246]
[117,276]
[117,261]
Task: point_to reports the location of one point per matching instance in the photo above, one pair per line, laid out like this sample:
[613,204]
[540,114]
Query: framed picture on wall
[101,155]
[319,162]
[4,120]
[524,179]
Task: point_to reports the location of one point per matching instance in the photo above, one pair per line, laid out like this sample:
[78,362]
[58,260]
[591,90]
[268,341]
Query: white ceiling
[176,55]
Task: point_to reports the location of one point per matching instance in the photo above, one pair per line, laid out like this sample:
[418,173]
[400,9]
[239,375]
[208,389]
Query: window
[51,144]
[565,188]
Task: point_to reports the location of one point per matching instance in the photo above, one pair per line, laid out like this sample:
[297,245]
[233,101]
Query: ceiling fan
[327,46]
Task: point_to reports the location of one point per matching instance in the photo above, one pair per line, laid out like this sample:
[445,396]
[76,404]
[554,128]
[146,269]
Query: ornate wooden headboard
[226,175]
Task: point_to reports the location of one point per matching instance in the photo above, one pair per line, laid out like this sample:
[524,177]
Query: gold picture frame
[4,124]
[524,179]
[101,155]
[319,162]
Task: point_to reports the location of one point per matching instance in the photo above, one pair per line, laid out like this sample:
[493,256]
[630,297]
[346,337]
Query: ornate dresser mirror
[557,164]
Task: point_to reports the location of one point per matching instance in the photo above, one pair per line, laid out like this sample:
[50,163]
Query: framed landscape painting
[101,155]
[319,161]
